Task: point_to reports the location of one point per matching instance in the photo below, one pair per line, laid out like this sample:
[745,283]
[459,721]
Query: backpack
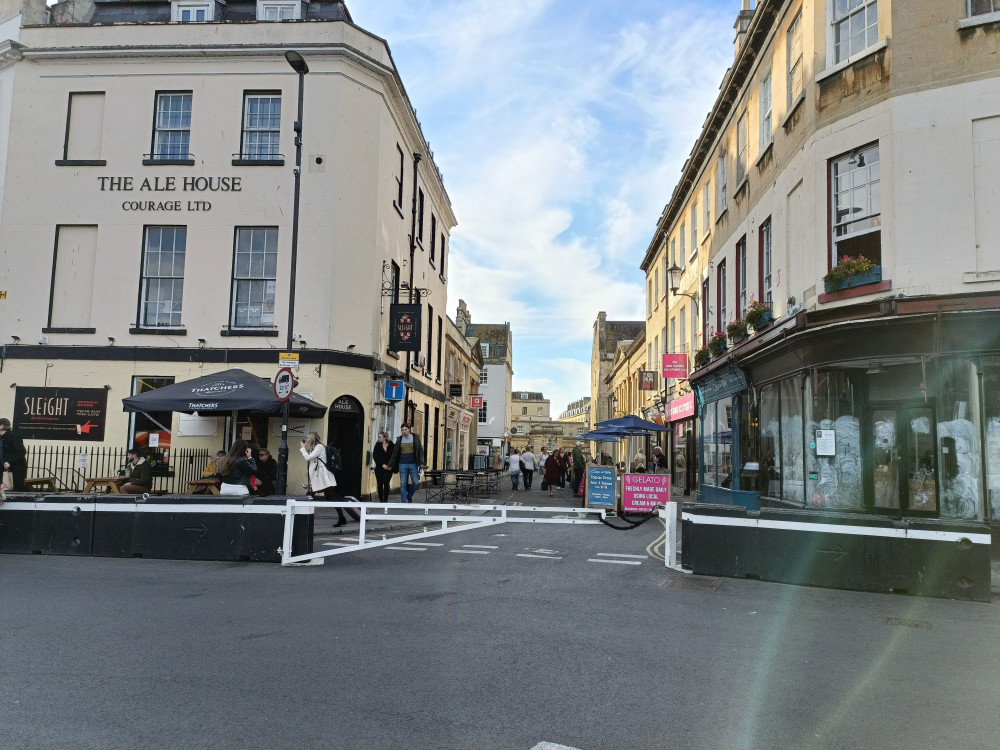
[333,461]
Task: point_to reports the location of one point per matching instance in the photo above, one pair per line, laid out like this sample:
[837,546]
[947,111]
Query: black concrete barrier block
[264,527]
[17,523]
[188,528]
[63,525]
[115,523]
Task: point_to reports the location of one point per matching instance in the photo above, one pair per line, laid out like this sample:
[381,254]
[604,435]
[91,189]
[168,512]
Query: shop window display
[717,443]
[991,397]
[959,456]
[792,449]
[833,462]
[769,483]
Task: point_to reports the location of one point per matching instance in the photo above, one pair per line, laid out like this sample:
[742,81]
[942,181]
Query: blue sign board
[601,487]
[719,385]
[393,390]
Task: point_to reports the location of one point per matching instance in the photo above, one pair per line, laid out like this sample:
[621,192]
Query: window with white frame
[766,135]
[720,184]
[707,200]
[656,284]
[683,235]
[741,149]
[793,45]
[982,7]
[172,126]
[261,126]
[720,296]
[649,297]
[673,252]
[434,225]
[741,276]
[766,286]
[482,412]
[399,180]
[694,229]
[420,216]
[192,12]
[855,27]
[683,331]
[255,268]
[162,285]
[524,395]
[524,411]
[857,207]
[279,10]
[540,410]
[484,376]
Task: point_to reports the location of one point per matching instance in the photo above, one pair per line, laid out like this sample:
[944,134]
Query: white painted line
[337,544]
[480,546]
[552,746]
[612,554]
[409,549]
[425,544]
[616,562]
[540,557]
[470,551]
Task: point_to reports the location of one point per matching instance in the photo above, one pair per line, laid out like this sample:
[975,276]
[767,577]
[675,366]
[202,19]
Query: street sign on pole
[284,383]
[288,359]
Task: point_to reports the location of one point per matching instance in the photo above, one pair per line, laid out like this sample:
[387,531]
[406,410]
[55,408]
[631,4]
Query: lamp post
[299,66]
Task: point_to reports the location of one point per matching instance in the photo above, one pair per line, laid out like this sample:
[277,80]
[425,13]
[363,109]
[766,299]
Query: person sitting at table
[140,475]
[211,471]
[267,473]
[237,469]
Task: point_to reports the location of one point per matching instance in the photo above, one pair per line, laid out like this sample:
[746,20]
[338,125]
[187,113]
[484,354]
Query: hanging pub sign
[454,390]
[647,380]
[60,413]
[404,327]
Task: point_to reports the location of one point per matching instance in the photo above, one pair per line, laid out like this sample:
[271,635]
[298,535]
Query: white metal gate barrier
[467,517]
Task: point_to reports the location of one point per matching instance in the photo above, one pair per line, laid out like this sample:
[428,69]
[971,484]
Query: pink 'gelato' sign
[642,492]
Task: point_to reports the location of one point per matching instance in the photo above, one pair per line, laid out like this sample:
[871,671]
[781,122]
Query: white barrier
[469,516]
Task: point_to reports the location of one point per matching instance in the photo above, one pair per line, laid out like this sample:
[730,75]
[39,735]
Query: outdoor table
[211,484]
[112,484]
[40,484]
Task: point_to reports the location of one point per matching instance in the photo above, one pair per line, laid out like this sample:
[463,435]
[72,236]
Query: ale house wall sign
[156,187]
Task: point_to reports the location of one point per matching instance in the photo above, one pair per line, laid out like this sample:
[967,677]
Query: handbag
[522,465]
[8,480]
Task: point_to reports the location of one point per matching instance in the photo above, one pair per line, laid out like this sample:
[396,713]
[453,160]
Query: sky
[560,128]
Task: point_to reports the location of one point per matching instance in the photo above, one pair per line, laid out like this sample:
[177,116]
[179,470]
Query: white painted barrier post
[669,515]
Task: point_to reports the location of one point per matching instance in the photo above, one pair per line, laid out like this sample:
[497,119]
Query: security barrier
[176,528]
[932,557]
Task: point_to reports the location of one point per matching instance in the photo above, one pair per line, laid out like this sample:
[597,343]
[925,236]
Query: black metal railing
[71,466]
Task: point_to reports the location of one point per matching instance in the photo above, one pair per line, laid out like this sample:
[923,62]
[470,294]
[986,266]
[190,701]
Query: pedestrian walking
[552,471]
[13,455]
[658,461]
[514,468]
[381,455]
[528,465]
[320,478]
[543,456]
[407,458]
[579,463]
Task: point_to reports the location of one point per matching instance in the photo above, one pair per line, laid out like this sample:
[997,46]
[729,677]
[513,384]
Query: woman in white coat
[321,479]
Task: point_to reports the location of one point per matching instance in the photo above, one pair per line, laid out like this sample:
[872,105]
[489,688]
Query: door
[346,432]
[904,460]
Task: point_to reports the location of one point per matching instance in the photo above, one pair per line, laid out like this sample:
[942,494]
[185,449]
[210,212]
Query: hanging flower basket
[737,330]
[701,357]
[851,272]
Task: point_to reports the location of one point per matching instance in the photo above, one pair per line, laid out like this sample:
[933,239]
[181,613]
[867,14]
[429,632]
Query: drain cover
[691,582]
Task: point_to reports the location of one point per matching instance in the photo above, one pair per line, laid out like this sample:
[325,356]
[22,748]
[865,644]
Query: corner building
[863,128]
[148,217]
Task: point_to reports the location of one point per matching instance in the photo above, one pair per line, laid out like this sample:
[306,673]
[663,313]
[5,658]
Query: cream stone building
[149,237]
[867,129]
[496,343]
[464,363]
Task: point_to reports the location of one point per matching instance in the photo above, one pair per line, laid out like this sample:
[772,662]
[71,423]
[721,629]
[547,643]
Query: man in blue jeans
[407,458]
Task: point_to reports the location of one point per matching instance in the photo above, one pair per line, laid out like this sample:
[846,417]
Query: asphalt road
[507,638]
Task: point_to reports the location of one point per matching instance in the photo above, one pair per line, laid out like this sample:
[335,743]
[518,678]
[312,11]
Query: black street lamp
[299,66]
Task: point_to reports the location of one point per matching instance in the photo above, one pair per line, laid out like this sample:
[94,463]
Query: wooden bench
[40,484]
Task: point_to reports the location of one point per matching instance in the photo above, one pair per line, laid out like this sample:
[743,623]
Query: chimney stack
[742,24]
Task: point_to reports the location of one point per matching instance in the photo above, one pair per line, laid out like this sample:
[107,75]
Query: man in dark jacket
[407,458]
[13,455]
[140,478]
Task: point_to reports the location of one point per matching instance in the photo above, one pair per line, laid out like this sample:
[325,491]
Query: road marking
[612,554]
[425,544]
[480,546]
[540,557]
[552,746]
[616,562]
[337,544]
[408,549]
[470,551]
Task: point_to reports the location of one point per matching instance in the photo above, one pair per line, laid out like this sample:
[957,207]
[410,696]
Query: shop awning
[222,393]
